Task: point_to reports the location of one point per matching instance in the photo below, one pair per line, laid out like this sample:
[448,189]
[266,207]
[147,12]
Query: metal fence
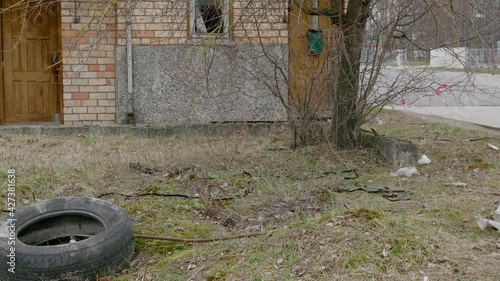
[481,58]
[474,58]
[397,57]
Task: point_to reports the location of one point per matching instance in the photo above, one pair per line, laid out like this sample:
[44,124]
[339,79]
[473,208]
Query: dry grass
[311,232]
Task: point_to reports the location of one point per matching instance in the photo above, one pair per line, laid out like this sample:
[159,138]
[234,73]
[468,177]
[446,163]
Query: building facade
[167,62]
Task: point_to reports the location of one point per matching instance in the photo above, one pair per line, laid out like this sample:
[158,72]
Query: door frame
[58,67]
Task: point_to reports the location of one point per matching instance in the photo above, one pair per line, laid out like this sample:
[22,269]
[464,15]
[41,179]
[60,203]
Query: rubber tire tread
[103,254]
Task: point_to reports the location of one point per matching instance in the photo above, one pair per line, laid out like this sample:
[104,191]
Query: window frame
[225,21]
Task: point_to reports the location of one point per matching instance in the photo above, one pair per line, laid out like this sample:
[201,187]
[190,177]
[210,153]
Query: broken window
[210,16]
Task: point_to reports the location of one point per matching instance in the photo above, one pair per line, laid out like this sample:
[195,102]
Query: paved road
[466,97]
[481,115]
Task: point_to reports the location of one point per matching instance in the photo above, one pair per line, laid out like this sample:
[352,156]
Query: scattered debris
[246,192]
[272,148]
[483,223]
[177,172]
[458,184]
[496,255]
[480,139]
[356,175]
[379,121]
[322,175]
[495,222]
[398,196]
[424,160]
[366,188]
[405,171]
[253,228]
[196,273]
[391,195]
[493,147]
[145,170]
[144,277]
[496,215]
[191,266]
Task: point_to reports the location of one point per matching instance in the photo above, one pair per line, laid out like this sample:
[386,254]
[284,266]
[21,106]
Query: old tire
[42,251]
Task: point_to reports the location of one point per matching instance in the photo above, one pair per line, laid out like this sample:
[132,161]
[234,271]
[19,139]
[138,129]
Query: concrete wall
[449,57]
[179,84]
[462,57]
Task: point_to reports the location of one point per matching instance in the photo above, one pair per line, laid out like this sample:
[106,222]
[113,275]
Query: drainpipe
[130,88]
[315,19]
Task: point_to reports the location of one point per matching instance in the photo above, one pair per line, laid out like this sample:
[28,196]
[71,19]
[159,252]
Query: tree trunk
[347,116]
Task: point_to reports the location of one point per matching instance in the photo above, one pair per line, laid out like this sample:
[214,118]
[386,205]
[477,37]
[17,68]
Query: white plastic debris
[493,147]
[482,223]
[495,222]
[406,171]
[191,266]
[496,215]
[379,121]
[458,184]
[424,160]
[495,255]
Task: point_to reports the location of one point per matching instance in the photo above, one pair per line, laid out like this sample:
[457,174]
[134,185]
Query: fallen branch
[356,175]
[248,191]
[480,139]
[391,195]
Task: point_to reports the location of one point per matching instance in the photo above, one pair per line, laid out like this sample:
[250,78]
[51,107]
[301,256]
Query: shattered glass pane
[209,16]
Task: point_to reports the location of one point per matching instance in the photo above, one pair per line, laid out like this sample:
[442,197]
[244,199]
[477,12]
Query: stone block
[398,152]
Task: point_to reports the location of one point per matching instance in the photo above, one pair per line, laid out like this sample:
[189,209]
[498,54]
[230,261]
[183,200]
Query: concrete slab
[213,129]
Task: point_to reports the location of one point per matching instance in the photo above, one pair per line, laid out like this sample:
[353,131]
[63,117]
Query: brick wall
[260,21]
[88,47]
[157,22]
[88,50]
[164,22]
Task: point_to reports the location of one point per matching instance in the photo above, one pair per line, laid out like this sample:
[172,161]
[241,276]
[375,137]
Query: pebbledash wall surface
[179,76]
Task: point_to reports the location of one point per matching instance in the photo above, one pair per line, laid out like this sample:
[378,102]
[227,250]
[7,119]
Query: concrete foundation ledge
[398,152]
[214,129]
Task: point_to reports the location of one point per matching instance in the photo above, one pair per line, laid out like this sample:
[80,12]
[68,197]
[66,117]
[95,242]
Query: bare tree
[383,24]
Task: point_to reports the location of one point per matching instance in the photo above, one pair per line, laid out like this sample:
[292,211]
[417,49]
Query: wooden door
[30,48]
[309,75]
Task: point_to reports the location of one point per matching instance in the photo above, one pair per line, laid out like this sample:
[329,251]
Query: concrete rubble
[495,222]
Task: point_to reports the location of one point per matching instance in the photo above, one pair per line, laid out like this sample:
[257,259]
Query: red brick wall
[88,50]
